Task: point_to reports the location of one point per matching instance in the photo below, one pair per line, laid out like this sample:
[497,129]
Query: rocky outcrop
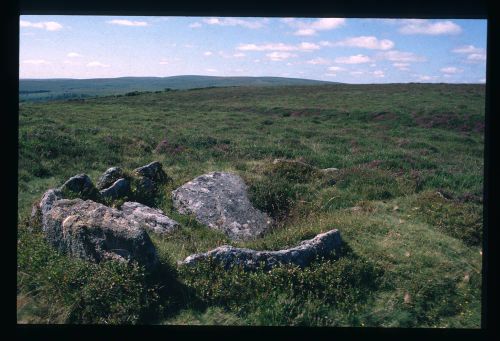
[119,189]
[302,255]
[219,200]
[94,232]
[109,177]
[150,218]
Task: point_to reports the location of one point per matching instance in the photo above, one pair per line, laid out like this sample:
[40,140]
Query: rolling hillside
[49,89]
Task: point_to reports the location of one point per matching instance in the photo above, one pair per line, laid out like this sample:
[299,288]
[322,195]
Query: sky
[344,50]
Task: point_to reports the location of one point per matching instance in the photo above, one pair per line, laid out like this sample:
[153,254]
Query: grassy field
[407,200]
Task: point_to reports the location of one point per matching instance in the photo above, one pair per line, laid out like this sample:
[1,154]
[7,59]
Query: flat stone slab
[151,219]
[302,255]
[219,200]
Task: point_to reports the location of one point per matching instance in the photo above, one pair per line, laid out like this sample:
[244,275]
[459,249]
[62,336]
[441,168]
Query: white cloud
[195,25]
[450,70]
[425,77]
[211,70]
[73,63]
[336,68]
[305,32]
[35,62]
[97,64]
[331,74]
[482,80]
[165,61]
[278,47]
[279,56]
[356,73]
[234,22]
[319,61]
[476,57]
[367,42]
[419,26]
[400,56]
[402,66]
[46,25]
[311,28]
[308,46]
[323,24]
[357,59]
[189,46]
[207,53]
[73,55]
[124,22]
[378,73]
[239,55]
[468,49]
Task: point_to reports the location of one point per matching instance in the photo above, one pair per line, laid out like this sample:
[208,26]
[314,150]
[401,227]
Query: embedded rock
[81,186]
[150,218]
[119,189]
[109,177]
[94,232]
[219,200]
[320,246]
[329,170]
[152,171]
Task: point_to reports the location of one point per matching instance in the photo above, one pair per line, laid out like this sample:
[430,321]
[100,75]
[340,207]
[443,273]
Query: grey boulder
[94,232]
[109,177]
[320,246]
[152,171]
[81,186]
[150,218]
[219,200]
[45,204]
[119,189]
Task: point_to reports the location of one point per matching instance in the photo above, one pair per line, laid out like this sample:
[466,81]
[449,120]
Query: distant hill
[60,88]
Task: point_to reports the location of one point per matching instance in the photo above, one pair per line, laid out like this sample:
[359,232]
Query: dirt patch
[165,147]
[383,116]
[448,120]
[304,113]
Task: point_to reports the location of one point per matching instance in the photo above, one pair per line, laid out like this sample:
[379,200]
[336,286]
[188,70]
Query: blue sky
[335,49]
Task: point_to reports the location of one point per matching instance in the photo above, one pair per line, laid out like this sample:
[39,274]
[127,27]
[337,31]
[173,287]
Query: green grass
[411,256]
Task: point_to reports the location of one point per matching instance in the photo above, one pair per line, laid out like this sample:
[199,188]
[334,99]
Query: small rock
[109,177]
[395,208]
[153,171]
[81,186]
[119,189]
[407,298]
[302,255]
[329,170]
[356,208]
[151,218]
